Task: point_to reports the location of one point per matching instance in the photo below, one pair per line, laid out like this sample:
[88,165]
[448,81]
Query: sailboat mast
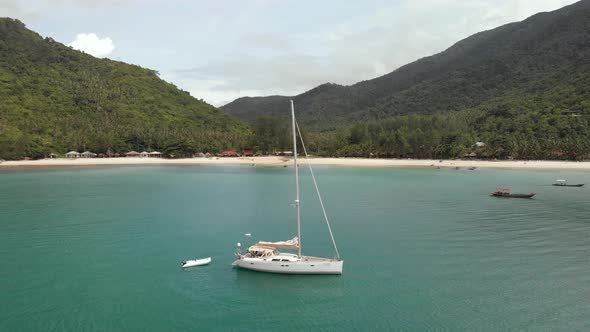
[296,180]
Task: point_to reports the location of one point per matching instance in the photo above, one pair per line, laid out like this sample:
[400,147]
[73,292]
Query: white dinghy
[196,262]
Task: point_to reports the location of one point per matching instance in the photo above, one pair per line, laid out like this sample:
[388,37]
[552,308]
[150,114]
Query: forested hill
[545,57]
[55,99]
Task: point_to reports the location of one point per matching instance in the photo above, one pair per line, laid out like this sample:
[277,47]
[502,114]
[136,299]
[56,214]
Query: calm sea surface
[99,249]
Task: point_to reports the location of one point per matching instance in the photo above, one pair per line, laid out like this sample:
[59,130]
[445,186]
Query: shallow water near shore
[99,248]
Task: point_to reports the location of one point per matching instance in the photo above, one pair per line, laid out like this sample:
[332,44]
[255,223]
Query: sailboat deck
[319,259]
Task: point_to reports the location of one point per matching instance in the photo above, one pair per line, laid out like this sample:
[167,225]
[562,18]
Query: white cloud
[87,3]
[265,41]
[217,92]
[14,9]
[93,45]
[29,11]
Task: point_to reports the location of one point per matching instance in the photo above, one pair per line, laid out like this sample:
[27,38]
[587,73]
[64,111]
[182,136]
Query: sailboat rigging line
[317,191]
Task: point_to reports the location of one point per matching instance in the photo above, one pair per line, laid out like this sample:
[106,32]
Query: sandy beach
[282,161]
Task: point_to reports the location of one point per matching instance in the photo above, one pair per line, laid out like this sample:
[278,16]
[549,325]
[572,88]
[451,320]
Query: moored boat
[506,192]
[196,262]
[563,183]
[266,257]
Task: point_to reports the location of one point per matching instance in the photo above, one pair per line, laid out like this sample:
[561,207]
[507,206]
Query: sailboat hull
[306,265]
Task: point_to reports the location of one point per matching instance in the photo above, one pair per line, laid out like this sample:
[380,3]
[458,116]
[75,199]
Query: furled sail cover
[292,244]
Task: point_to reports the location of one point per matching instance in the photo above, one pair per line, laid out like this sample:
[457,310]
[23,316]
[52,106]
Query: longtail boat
[506,192]
[563,183]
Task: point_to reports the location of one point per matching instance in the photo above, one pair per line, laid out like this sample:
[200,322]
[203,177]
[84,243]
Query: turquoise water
[99,249]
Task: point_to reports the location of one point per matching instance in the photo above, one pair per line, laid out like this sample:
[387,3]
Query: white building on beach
[73,154]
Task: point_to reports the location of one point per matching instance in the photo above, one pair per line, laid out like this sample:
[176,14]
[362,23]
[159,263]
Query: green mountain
[55,99]
[541,62]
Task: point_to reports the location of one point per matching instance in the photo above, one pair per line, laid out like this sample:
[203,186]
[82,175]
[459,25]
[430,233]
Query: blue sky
[224,49]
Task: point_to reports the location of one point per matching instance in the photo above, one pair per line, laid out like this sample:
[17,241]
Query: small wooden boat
[563,183]
[196,262]
[505,192]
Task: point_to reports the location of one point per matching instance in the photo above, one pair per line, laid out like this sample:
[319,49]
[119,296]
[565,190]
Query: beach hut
[144,154]
[132,154]
[200,155]
[284,153]
[88,154]
[52,155]
[73,154]
[471,155]
[155,154]
[247,153]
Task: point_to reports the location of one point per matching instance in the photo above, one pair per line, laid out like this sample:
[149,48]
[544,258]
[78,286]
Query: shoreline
[283,161]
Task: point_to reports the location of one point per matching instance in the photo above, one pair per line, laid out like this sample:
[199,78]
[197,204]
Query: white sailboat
[266,257]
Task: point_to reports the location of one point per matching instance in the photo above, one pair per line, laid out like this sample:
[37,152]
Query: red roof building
[229,153]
